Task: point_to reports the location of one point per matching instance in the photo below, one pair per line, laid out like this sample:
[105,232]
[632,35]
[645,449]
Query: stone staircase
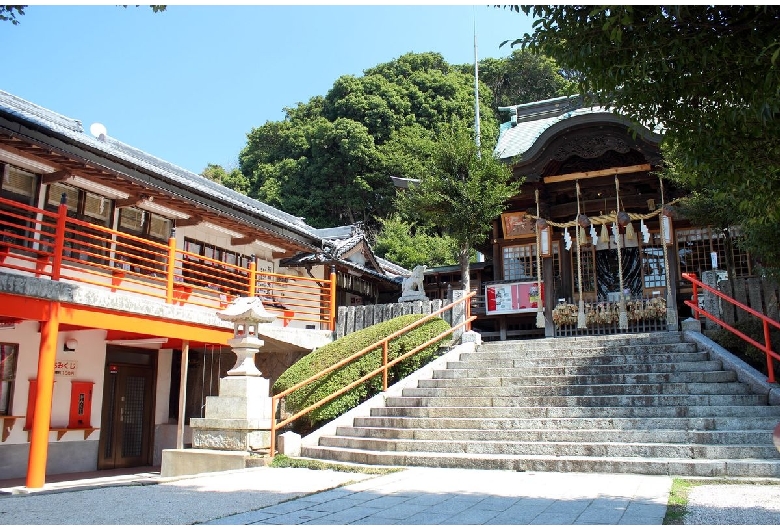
[645,403]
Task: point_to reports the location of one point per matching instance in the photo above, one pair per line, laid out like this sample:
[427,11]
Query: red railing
[693,303]
[52,244]
[383,368]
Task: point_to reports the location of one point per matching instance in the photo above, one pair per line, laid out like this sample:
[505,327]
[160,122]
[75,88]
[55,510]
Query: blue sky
[188,84]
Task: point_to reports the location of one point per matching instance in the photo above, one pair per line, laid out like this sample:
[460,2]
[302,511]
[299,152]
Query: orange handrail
[697,311]
[384,344]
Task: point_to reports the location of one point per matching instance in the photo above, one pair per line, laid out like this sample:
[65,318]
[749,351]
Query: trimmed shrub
[347,346]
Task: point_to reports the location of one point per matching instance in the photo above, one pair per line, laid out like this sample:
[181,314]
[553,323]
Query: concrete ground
[415,496]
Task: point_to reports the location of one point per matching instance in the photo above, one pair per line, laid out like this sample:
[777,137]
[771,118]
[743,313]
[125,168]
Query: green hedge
[347,346]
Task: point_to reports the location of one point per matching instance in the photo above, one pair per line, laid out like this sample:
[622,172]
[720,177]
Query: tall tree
[463,191]
[330,160]
[708,74]
[523,77]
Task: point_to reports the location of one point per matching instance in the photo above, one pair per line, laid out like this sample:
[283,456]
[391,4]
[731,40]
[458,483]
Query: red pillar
[39,435]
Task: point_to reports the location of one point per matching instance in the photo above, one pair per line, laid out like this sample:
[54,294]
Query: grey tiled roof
[73,130]
[534,119]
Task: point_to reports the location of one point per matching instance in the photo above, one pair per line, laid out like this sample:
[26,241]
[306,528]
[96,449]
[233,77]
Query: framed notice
[516,224]
[516,297]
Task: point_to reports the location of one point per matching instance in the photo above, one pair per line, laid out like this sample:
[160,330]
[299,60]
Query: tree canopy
[330,159]
[707,74]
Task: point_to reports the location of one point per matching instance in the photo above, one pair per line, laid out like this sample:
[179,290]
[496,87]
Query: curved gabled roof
[73,132]
[533,124]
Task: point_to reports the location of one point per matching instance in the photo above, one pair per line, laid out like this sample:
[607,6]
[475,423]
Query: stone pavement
[415,496]
[426,496]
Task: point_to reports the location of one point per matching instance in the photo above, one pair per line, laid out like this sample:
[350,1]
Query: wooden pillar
[549,295]
[39,435]
[185,361]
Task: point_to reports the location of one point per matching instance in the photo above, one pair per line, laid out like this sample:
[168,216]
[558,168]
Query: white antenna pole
[476,88]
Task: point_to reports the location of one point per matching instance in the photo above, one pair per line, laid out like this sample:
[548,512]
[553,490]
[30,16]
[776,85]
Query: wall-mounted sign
[65,368]
[517,297]
[516,224]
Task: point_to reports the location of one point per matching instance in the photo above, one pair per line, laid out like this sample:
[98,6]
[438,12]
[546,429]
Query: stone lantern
[239,418]
[246,313]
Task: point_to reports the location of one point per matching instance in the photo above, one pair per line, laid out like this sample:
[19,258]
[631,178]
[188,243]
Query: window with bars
[205,272]
[520,262]
[20,186]
[147,225]
[87,245]
[696,246]
[653,265]
[588,263]
[8,356]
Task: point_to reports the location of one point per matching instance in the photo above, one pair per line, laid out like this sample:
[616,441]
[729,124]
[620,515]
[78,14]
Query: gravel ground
[733,504]
[186,501]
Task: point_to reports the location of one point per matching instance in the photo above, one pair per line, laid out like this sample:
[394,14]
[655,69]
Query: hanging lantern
[541,224]
[583,220]
[623,219]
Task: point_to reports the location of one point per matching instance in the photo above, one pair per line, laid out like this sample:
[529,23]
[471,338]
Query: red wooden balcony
[51,244]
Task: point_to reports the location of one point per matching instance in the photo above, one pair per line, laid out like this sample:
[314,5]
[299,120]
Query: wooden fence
[355,318]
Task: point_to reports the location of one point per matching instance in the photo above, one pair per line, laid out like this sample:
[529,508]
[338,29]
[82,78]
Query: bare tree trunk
[463,258]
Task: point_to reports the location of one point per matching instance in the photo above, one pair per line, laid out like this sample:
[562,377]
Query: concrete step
[580,390]
[750,424]
[722,376]
[680,400]
[639,403]
[591,351]
[579,370]
[657,436]
[701,411]
[579,448]
[599,360]
[585,341]
[638,465]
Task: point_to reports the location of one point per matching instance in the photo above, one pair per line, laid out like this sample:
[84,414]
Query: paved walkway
[415,496]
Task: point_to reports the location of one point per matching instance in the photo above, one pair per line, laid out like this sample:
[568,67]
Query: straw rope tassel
[539,309]
[671,304]
[581,321]
[623,316]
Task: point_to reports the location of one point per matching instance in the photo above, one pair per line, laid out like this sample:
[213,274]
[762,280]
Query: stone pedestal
[238,419]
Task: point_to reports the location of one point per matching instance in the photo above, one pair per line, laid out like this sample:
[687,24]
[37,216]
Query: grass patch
[677,506]
[286,461]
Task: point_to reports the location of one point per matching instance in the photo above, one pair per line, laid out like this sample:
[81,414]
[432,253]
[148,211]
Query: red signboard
[518,297]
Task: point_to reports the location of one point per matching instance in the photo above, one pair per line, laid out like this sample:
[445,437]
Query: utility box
[80,405]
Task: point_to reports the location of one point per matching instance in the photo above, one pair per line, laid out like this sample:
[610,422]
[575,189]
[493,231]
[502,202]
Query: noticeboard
[517,297]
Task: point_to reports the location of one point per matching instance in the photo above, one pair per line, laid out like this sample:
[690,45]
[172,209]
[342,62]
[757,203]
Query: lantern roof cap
[246,309]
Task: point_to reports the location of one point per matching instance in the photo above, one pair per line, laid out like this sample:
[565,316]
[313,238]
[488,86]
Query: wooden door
[127,421]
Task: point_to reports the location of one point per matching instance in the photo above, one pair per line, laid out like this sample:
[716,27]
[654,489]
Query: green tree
[234,179]
[707,74]
[409,246]
[463,191]
[330,160]
[9,13]
[523,77]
